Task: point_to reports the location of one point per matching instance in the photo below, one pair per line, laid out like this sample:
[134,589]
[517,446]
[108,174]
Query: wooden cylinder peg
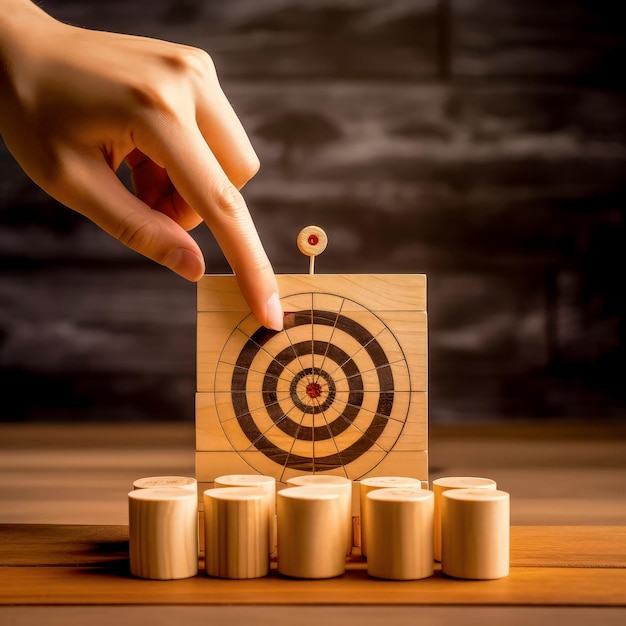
[400,533]
[475,533]
[152,482]
[342,485]
[163,533]
[236,532]
[379,482]
[453,482]
[266,484]
[311,534]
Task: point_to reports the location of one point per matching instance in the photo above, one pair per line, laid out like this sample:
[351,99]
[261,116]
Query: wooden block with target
[342,389]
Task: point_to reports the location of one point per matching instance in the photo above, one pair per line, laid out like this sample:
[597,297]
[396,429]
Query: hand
[76,103]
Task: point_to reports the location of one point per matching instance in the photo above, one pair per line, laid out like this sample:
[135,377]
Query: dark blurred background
[481,142]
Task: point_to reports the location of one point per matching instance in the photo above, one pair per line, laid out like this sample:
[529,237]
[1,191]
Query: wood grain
[163,533]
[360,339]
[399,533]
[389,292]
[54,545]
[236,529]
[601,547]
[215,436]
[558,473]
[527,586]
[535,42]
[439,485]
[570,546]
[371,484]
[475,533]
[210,465]
[311,531]
[572,566]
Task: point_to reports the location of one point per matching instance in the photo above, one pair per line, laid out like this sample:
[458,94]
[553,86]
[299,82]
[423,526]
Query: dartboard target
[317,395]
[338,390]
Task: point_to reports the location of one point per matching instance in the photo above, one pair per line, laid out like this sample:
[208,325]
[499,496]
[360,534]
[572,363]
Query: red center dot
[314,390]
[313,240]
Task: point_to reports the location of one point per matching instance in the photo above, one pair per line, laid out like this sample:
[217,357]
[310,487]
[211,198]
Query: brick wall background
[482,142]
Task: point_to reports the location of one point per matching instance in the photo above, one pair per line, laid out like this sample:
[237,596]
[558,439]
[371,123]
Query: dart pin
[312,241]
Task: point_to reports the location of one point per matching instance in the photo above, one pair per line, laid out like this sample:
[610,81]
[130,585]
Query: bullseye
[314,390]
[313,240]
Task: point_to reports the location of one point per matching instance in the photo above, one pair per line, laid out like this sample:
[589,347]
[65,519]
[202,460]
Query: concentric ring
[328,385]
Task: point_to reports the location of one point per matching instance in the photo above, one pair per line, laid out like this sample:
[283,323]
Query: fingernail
[274,313]
[186,263]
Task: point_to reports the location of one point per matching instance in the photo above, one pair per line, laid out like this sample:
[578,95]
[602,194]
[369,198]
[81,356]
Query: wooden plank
[413,464]
[329,615]
[94,546]
[570,546]
[132,438]
[564,40]
[54,545]
[428,140]
[385,292]
[97,343]
[217,428]
[376,462]
[527,586]
[306,40]
[327,442]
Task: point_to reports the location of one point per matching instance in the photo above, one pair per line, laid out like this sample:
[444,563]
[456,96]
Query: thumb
[98,194]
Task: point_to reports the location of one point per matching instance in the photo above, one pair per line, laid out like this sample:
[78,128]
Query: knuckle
[245,169]
[228,201]
[193,63]
[139,237]
[56,174]
[249,167]
[182,70]
[153,96]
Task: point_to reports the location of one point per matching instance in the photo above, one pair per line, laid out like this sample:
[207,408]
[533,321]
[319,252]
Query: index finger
[199,178]
[226,136]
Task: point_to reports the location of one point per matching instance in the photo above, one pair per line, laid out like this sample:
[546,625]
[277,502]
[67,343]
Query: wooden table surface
[63,533]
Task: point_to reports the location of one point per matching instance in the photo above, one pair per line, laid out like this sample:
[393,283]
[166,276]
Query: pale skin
[75,104]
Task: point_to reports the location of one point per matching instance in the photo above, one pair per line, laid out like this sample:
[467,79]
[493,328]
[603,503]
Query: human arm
[76,103]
